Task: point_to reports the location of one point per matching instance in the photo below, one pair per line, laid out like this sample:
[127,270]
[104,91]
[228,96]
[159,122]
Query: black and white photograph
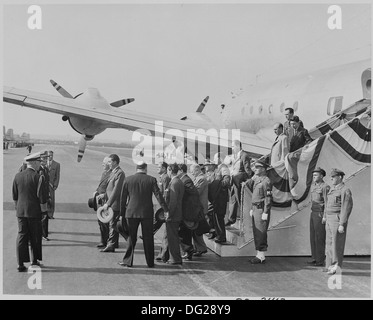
[206,150]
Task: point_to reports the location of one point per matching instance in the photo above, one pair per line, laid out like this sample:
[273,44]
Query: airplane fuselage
[314,97]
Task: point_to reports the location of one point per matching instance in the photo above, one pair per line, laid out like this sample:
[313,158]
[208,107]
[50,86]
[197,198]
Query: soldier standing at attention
[338,209]
[319,191]
[261,187]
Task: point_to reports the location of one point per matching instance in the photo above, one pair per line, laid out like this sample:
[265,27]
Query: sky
[168,57]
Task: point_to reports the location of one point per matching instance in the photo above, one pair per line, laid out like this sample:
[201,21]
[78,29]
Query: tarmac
[73,266]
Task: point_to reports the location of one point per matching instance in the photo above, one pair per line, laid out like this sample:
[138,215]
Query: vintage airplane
[89,114]
[315,97]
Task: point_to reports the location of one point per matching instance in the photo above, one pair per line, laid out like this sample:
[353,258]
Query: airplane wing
[127,119]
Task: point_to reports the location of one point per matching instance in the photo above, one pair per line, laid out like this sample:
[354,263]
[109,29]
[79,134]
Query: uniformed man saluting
[261,187]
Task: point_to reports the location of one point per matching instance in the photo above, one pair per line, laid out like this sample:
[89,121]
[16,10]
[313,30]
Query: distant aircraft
[314,97]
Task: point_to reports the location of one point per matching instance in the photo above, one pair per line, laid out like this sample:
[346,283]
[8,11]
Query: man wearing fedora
[261,188]
[136,206]
[113,191]
[319,191]
[339,205]
[29,200]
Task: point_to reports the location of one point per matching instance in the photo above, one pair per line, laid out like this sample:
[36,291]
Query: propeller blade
[202,105]
[61,90]
[82,145]
[122,102]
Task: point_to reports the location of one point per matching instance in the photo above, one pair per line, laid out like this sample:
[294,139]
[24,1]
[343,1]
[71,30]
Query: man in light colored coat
[280,145]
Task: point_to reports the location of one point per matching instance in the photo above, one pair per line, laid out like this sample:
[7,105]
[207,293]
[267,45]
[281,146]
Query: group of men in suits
[33,193]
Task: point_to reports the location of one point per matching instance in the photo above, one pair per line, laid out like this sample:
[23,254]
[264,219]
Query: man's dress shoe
[21,268]
[174,263]
[199,253]
[188,255]
[101,245]
[108,249]
[122,264]
[256,260]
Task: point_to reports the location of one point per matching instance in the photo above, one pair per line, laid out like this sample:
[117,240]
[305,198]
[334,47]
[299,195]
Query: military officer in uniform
[338,209]
[319,190]
[28,200]
[261,187]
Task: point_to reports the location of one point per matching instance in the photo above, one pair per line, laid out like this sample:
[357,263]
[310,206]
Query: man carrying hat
[338,209]
[100,197]
[261,187]
[29,199]
[319,190]
[112,196]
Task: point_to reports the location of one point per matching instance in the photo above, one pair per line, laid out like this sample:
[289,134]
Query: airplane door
[334,105]
[366,83]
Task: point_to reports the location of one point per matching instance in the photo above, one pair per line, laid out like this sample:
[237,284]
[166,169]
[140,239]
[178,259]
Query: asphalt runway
[73,266]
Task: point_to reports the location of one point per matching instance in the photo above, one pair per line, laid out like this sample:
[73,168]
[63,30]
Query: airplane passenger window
[251,109]
[334,105]
[295,106]
[282,107]
[270,108]
[260,109]
[243,111]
